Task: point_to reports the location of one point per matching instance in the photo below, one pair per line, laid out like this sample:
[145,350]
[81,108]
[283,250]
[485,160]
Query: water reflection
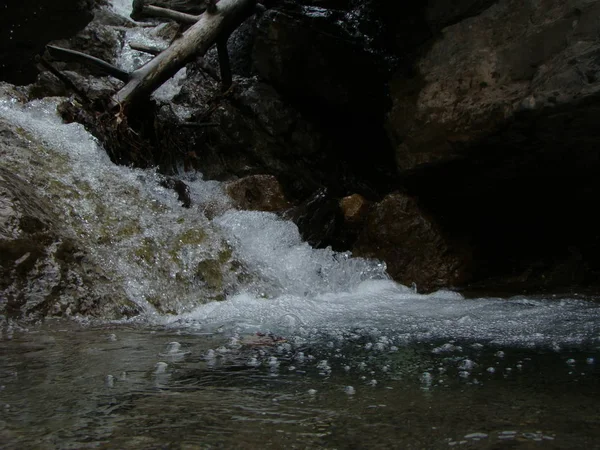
[63,386]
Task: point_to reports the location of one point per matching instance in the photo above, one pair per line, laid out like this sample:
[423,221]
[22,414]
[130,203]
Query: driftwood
[211,28]
[65,54]
[145,48]
[141,10]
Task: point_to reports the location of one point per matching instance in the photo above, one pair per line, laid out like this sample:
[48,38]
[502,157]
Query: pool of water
[64,385]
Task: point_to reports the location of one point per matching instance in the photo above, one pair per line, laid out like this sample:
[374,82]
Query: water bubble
[160,367]
[467,364]
[476,436]
[349,390]
[253,362]
[491,369]
[324,367]
[500,354]
[571,362]
[590,360]
[111,337]
[312,392]
[173,347]
[426,379]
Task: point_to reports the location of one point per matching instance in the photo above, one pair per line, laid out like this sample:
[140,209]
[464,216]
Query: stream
[250,338]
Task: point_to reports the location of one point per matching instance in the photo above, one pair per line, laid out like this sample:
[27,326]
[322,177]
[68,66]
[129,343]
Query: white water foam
[294,289]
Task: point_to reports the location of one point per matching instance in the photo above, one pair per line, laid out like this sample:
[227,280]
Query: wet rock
[258,193]
[412,245]
[182,190]
[355,209]
[26,26]
[94,88]
[44,269]
[320,220]
[250,131]
[96,39]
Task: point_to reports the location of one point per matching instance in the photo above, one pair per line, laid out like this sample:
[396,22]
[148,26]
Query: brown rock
[412,245]
[355,208]
[257,193]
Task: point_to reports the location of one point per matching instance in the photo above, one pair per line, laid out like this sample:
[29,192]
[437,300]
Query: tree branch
[196,41]
[64,54]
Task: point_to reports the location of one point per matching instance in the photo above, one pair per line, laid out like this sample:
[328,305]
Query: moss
[146,251]
[210,272]
[194,236]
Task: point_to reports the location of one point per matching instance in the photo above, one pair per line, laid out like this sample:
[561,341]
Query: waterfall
[249,270]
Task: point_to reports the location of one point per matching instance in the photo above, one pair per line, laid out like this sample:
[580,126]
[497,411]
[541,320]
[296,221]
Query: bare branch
[141,10]
[65,54]
[209,29]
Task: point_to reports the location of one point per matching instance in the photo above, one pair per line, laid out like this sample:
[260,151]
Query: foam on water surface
[155,248]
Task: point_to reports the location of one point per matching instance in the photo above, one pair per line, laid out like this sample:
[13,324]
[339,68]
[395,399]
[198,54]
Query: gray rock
[45,271]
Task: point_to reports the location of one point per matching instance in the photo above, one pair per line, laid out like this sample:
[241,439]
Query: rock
[355,209]
[182,190]
[512,62]
[48,85]
[26,26]
[315,54]
[45,271]
[186,6]
[96,39]
[257,193]
[401,234]
[252,132]
[319,220]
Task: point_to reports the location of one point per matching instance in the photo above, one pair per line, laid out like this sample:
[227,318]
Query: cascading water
[249,338]
[173,261]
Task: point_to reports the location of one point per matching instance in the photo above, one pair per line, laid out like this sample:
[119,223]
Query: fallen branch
[141,10]
[65,54]
[211,28]
[145,48]
[224,65]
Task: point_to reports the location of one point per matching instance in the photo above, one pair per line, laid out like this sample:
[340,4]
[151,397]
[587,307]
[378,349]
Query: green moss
[194,236]
[146,251]
[210,272]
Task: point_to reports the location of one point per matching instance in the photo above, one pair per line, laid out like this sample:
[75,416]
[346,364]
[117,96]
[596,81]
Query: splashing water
[175,262]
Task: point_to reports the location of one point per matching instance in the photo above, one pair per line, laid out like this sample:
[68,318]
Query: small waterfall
[249,270]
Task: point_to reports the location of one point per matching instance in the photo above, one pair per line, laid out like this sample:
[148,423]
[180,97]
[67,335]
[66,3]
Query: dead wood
[208,30]
[65,54]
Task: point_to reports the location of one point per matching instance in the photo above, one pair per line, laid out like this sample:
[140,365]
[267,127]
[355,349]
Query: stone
[400,233]
[355,208]
[257,193]
[45,270]
[26,26]
[512,63]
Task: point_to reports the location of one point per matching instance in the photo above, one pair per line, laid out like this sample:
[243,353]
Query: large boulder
[414,248]
[513,62]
